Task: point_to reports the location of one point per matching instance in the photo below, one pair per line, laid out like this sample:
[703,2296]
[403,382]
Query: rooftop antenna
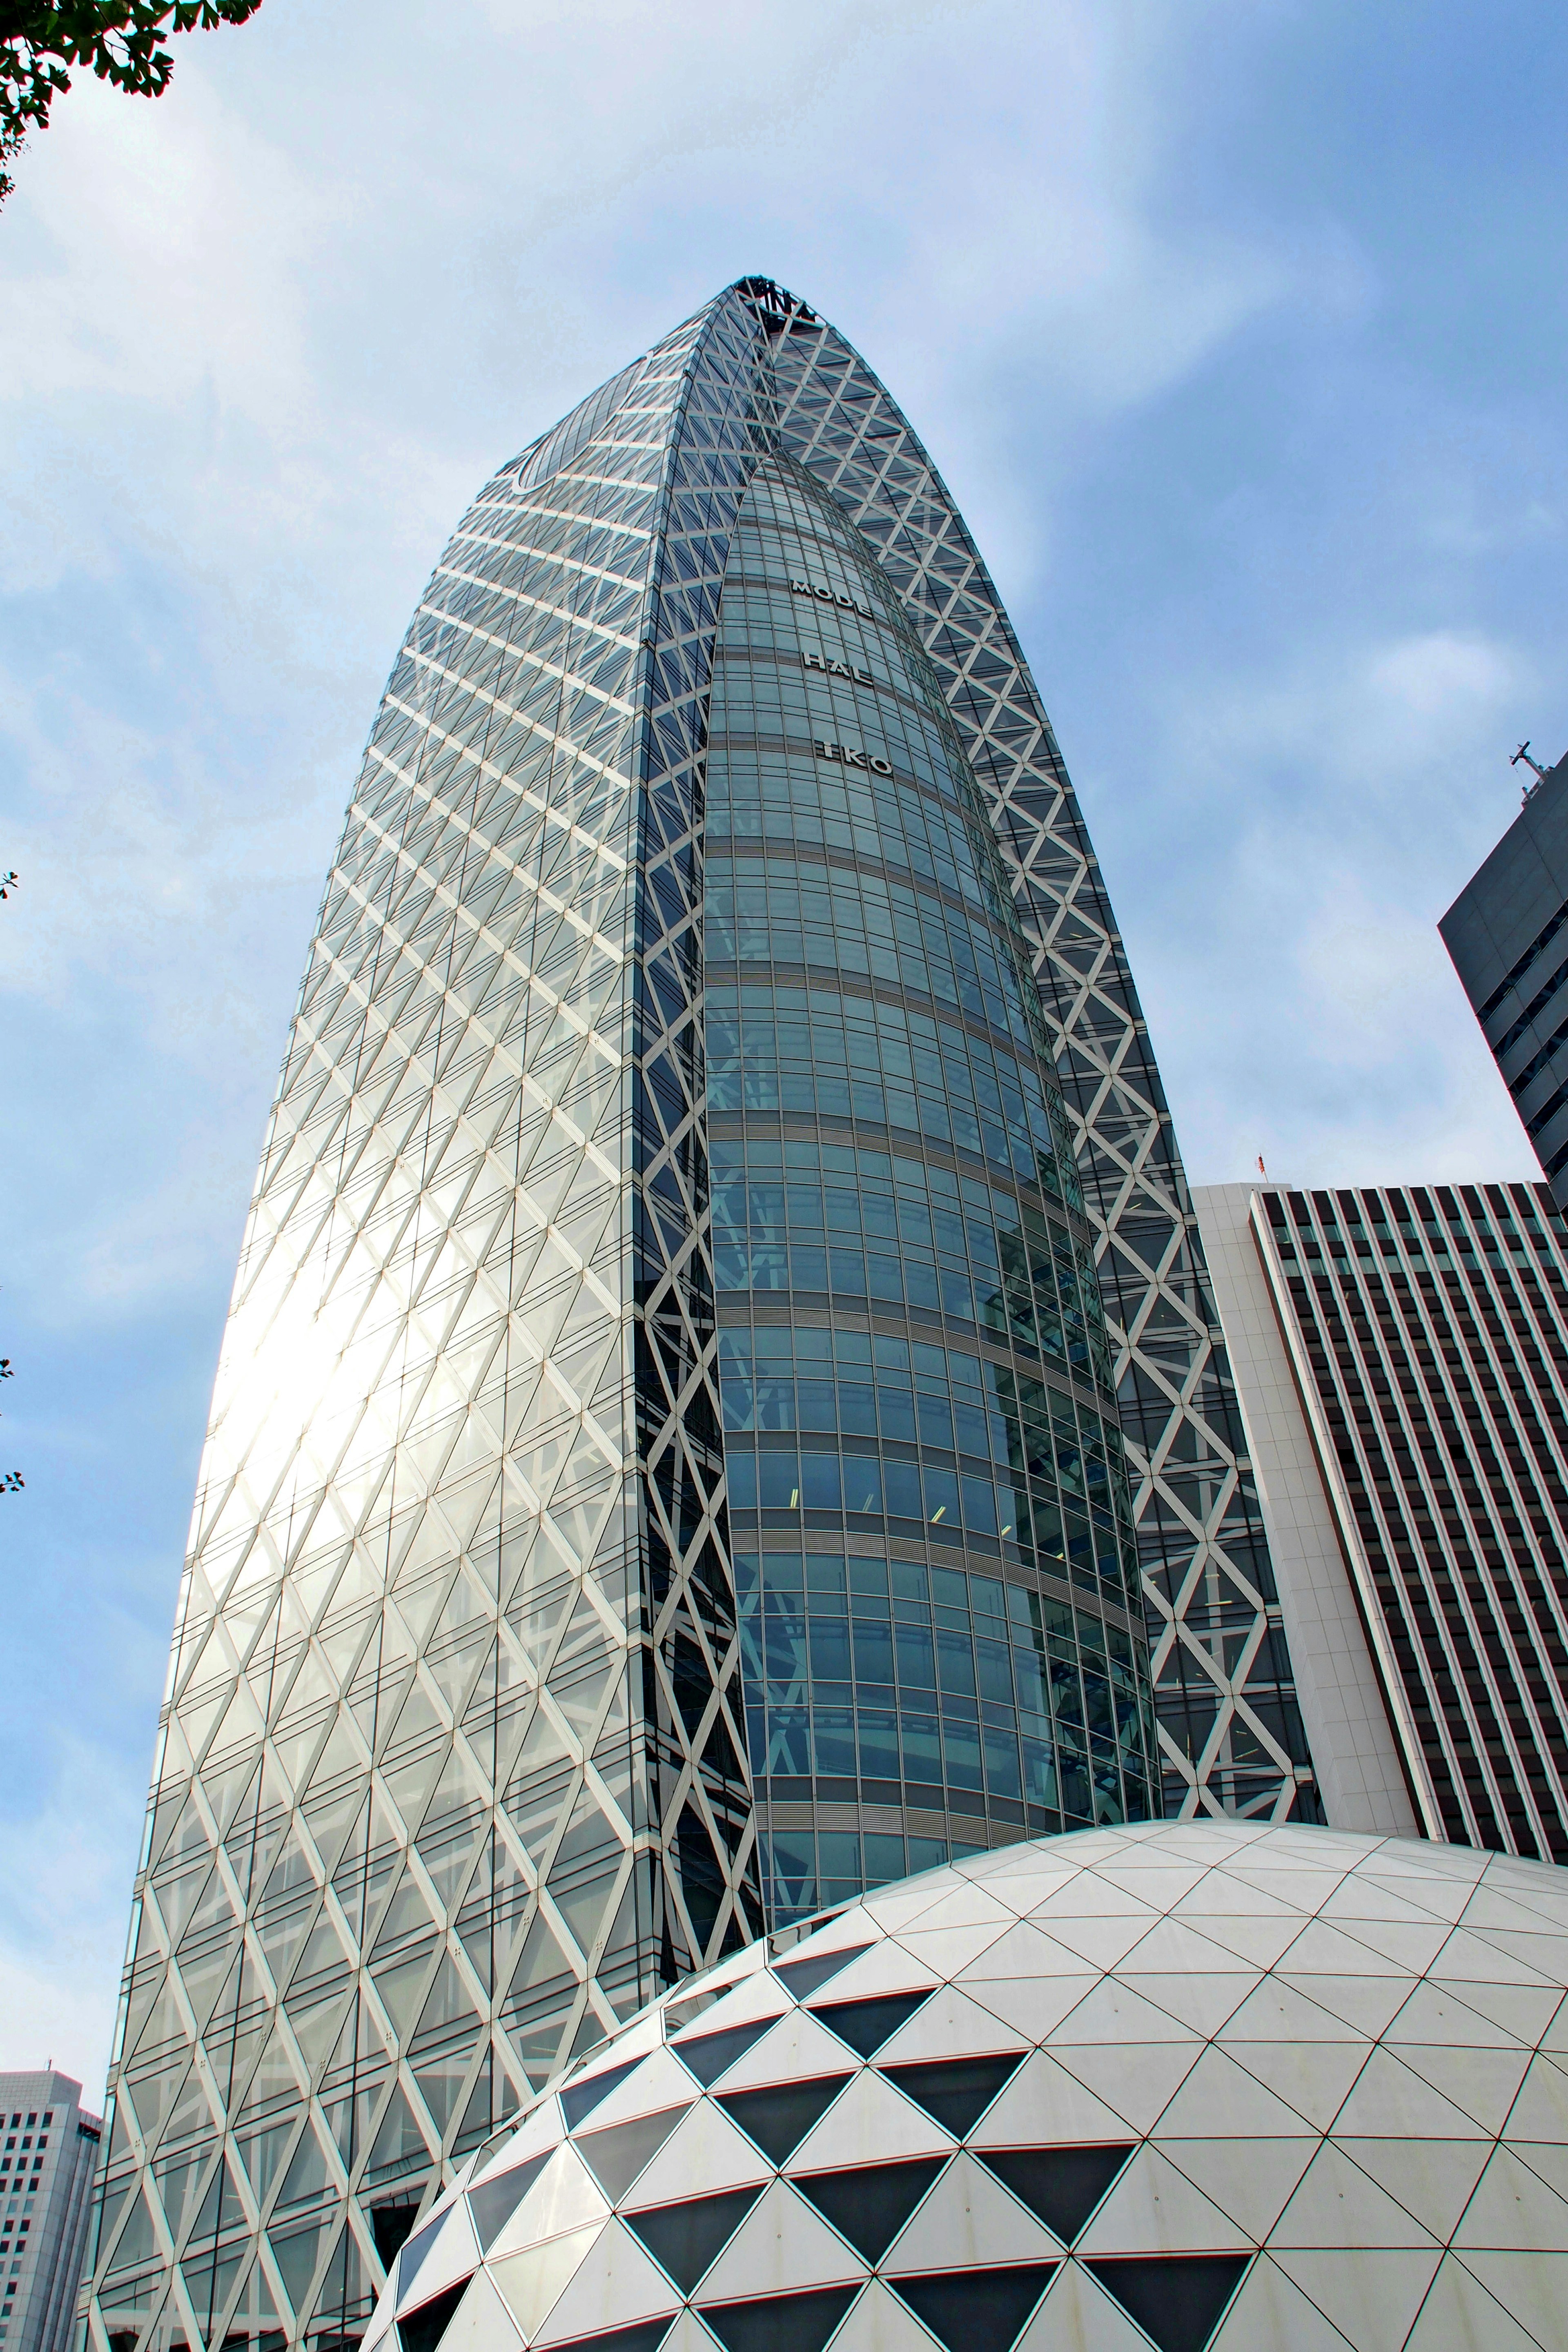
[1523,753]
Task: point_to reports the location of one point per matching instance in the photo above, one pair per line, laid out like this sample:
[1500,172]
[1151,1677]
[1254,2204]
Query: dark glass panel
[955,2092]
[977,2311]
[779,2118]
[686,2239]
[870,2204]
[615,2156]
[1178,2300]
[1061,2185]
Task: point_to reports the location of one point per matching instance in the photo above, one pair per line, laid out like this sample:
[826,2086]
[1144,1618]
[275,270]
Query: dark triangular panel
[1061,2185]
[708,2055]
[1176,2299]
[955,2092]
[866,2024]
[494,2201]
[870,2204]
[580,2099]
[422,2330]
[615,2156]
[780,2323]
[779,2117]
[686,2239]
[803,1976]
[976,2311]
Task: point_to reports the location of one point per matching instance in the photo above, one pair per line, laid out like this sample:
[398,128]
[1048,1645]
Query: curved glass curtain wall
[943,1642]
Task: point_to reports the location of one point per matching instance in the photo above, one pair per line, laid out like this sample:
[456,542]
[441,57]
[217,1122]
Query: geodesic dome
[1179,2083]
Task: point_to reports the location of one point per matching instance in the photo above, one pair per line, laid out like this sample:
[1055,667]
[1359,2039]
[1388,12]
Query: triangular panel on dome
[870,2123]
[1177,2299]
[616,2285]
[1372,2297]
[976,2310]
[869,2203]
[781,2246]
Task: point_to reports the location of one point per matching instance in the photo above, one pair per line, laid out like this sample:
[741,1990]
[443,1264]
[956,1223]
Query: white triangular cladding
[1313,2078]
[1514,1874]
[886,1967]
[948,2025]
[661,2080]
[1201,2001]
[1155,1878]
[1137,2084]
[1535,2292]
[878,2322]
[1434,2178]
[1250,2181]
[1404,1945]
[1154,2209]
[759,1994]
[1277,2011]
[481,2322]
[1271,2314]
[615,2285]
[794,2049]
[1338,2204]
[1303,1890]
[1364,2003]
[1540,2110]
[1459,2310]
[564,2197]
[1097,1943]
[1495,1905]
[1254,1939]
[704,2153]
[782,2247]
[948,1950]
[1523,2011]
[1021,1889]
[870,2123]
[1483,2084]
[453,2255]
[1178,1944]
[1220,2096]
[1219,1894]
[1371,2298]
[1113,2013]
[1361,1897]
[855,1925]
[1436,2013]
[1513,2206]
[532,2283]
[1092,1896]
[1078,2315]
[1539,1951]
[968,2220]
[906,1905]
[1031,1999]
[1044,2105]
[1491,1959]
[1388,2102]
[1322,1950]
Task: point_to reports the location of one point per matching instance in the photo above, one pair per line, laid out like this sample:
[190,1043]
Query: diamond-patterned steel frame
[1230,1733]
[451,1772]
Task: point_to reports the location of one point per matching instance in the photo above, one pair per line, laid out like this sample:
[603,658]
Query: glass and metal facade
[1427,1332]
[932,1528]
[668,1104]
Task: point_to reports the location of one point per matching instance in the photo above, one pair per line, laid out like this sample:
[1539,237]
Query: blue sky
[1237,330]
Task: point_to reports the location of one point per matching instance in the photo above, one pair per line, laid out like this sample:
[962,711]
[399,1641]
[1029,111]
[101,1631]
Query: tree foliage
[121,41]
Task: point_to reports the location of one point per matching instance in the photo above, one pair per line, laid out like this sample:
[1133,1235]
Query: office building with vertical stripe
[1401,1357]
[48,2156]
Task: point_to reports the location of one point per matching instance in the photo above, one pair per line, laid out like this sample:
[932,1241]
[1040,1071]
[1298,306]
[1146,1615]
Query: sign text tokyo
[852,756]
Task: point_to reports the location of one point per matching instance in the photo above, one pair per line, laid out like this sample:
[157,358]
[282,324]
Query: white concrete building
[48,2154]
